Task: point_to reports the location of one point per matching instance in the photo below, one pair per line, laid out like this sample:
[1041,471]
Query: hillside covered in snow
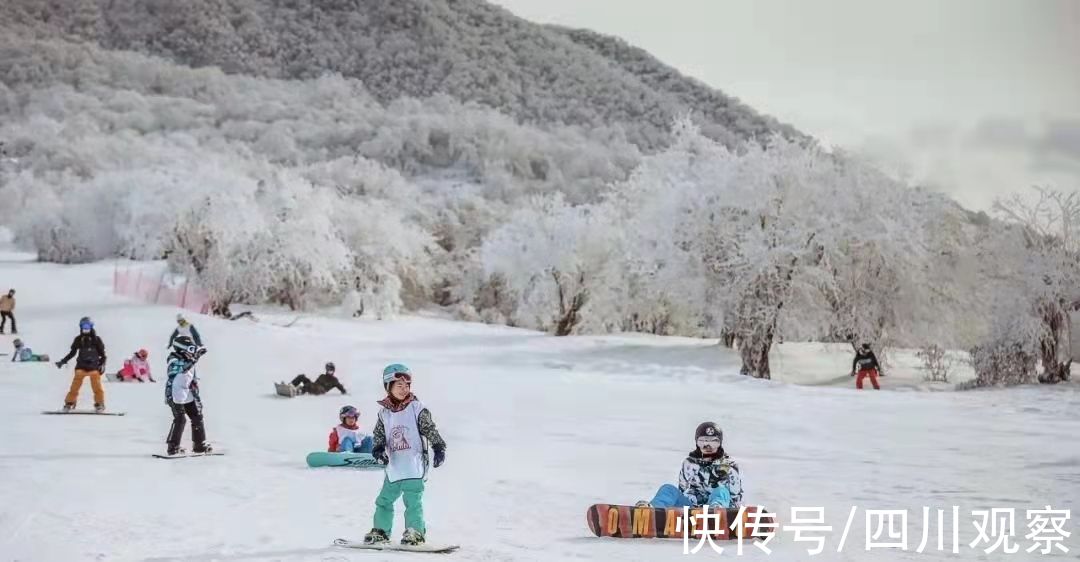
[378,158]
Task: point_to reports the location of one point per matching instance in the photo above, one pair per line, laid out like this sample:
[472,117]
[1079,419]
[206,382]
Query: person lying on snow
[708,476]
[323,384]
[24,354]
[347,437]
[136,368]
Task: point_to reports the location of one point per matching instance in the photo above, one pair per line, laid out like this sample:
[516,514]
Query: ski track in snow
[538,428]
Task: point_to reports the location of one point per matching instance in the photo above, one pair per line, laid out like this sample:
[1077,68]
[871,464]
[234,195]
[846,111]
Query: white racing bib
[404,446]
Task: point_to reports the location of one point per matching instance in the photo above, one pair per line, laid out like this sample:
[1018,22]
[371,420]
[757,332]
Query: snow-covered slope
[538,429]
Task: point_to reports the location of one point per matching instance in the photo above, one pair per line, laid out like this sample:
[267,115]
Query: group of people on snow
[404,433]
[181,387]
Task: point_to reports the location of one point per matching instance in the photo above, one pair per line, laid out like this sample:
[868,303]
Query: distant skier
[402,433]
[136,368]
[90,363]
[24,354]
[708,476]
[346,437]
[323,383]
[7,311]
[182,396]
[184,328]
[865,365]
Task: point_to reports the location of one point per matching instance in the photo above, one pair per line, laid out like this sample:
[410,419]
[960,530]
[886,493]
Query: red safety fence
[156,286]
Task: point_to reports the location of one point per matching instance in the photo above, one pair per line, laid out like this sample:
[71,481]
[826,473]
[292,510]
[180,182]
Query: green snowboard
[363,461]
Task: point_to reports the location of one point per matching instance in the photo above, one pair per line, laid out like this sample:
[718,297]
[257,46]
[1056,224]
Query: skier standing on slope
[90,363]
[323,383]
[708,476]
[346,437]
[866,365]
[184,328]
[182,396]
[404,425]
[7,311]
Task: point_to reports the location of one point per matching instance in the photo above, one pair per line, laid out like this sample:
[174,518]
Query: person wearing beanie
[402,435]
[708,476]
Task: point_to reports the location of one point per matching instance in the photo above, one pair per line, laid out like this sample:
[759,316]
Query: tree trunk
[569,309]
[1055,368]
[727,338]
[754,352]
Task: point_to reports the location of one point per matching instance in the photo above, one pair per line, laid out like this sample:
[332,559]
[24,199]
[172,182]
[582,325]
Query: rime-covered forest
[384,157]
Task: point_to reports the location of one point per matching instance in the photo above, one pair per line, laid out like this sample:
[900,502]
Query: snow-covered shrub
[936,362]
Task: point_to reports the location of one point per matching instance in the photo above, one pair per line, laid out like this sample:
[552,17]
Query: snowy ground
[538,429]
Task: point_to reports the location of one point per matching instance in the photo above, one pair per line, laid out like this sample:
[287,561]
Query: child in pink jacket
[137,368]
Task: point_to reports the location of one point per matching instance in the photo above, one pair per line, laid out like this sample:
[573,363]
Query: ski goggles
[708,441]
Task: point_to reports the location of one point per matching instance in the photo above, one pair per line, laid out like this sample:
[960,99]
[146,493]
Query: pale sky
[978,98]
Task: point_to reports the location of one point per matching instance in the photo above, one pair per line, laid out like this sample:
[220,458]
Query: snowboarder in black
[323,384]
[865,365]
[90,363]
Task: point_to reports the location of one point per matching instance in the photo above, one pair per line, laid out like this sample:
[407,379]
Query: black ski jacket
[91,352]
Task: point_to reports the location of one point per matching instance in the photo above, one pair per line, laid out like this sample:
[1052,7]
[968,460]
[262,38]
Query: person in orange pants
[90,363]
[866,364]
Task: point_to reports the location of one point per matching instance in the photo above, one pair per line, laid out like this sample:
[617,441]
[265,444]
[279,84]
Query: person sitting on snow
[346,437]
[866,364]
[136,368]
[708,476]
[323,384]
[25,354]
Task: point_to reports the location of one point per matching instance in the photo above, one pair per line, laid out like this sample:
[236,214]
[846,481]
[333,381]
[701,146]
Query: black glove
[853,373]
[440,456]
[59,364]
[380,455]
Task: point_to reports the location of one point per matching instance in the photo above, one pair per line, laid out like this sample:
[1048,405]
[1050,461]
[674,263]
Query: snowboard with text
[627,521]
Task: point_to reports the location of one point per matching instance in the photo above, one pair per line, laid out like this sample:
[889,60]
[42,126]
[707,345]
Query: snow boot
[202,449]
[376,536]
[99,408]
[68,407]
[412,537]
[173,451]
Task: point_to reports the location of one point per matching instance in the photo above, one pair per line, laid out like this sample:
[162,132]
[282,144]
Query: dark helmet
[348,412]
[330,367]
[184,347]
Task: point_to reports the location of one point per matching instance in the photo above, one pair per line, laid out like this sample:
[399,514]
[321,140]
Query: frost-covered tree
[1033,260]
[752,233]
[558,261]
